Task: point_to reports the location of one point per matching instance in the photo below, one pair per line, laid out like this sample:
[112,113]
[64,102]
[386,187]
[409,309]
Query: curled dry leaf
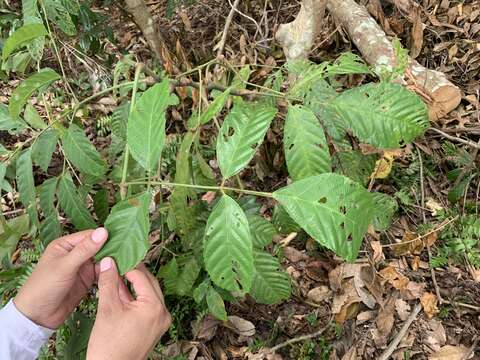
[241,326]
[384,322]
[394,278]
[450,352]
[403,309]
[364,295]
[345,305]
[435,337]
[365,316]
[377,251]
[294,255]
[209,196]
[429,304]
[319,294]
[206,328]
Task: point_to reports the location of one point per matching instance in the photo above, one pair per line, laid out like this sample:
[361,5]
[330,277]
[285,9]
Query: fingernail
[99,235]
[105,264]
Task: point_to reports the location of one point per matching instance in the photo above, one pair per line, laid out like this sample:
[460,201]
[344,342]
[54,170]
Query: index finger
[68,242]
[142,285]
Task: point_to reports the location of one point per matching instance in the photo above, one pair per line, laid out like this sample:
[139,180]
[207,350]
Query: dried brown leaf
[450,352]
[403,309]
[319,294]
[241,326]
[429,304]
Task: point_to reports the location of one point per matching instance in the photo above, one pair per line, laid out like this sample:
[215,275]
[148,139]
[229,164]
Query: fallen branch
[221,44]
[437,91]
[401,334]
[145,22]
[298,36]
[455,138]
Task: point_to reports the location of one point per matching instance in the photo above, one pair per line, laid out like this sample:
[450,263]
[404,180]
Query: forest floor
[424,293]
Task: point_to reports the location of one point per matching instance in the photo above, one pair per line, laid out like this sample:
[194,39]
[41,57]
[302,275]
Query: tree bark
[440,95]
[144,20]
[298,36]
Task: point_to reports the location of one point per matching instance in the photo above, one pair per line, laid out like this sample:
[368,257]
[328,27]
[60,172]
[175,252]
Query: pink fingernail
[99,235]
[105,264]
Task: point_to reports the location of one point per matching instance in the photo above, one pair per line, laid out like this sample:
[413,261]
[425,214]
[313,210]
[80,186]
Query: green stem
[203,187]
[126,154]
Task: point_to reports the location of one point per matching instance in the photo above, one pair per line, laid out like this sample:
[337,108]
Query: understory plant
[222,247]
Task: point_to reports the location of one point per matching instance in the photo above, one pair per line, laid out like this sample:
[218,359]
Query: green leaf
[200,291]
[33,118]
[80,327]
[262,231]
[58,15]
[22,36]
[146,125]
[385,207]
[384,115]
[283,222]
[27,87]
[305,73]
[128,226]
[43,148]
[332,209]
[119,120]
[216,305]
[212,110]
[73,206]
[32,16]
[355,165]
[348,63]
[249,122]
[169,274]
[26,184]
[227,246]
[80,151]
[270,285]
[306,149]
[100,204]
[6,122]
[11,234]
[50,228]
[187,276]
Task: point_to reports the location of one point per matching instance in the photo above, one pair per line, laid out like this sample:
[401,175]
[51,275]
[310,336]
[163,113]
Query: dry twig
[401,334]
[221,44]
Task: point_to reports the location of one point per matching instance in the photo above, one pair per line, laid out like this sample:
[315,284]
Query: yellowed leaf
[383,166]
[429,304]
[433,206]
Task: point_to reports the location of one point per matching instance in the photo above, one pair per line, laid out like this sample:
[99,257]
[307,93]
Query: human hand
[126,328]
[62,277]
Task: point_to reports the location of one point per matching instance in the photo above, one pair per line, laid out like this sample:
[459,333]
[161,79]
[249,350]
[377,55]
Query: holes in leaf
[350,237]
[291,146]
[342,226]
[231,131]
[322,200]
[343,209]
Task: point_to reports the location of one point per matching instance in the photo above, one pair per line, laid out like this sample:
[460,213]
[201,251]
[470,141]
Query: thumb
[87,248]
[108,285]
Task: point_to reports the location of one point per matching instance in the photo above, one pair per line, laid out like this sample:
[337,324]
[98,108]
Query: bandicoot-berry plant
[222,247]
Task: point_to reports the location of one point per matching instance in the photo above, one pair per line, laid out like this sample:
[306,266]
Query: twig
[461,304]
[401,334]
[299,338]
[440,227]
[432,269]
[455,138]
[221,44]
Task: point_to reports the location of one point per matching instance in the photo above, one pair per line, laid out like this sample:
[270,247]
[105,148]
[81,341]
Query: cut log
[298,36]
[440,95]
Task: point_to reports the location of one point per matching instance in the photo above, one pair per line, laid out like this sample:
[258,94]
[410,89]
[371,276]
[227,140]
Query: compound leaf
[26,184]
[227,246]
[100,204]
[128,226]
[384,115]
[306,149]
[73,205]
[27,87]
[249,122]
[385,207]
[58,14]
[11,234]
[270,284]
[332,209]
[80,151]
[146,125]
[22,36]
[43,148]
[212,110]
[50,228]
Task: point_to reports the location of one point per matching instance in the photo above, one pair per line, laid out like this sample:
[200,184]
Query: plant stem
[203,187]
[126,154]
